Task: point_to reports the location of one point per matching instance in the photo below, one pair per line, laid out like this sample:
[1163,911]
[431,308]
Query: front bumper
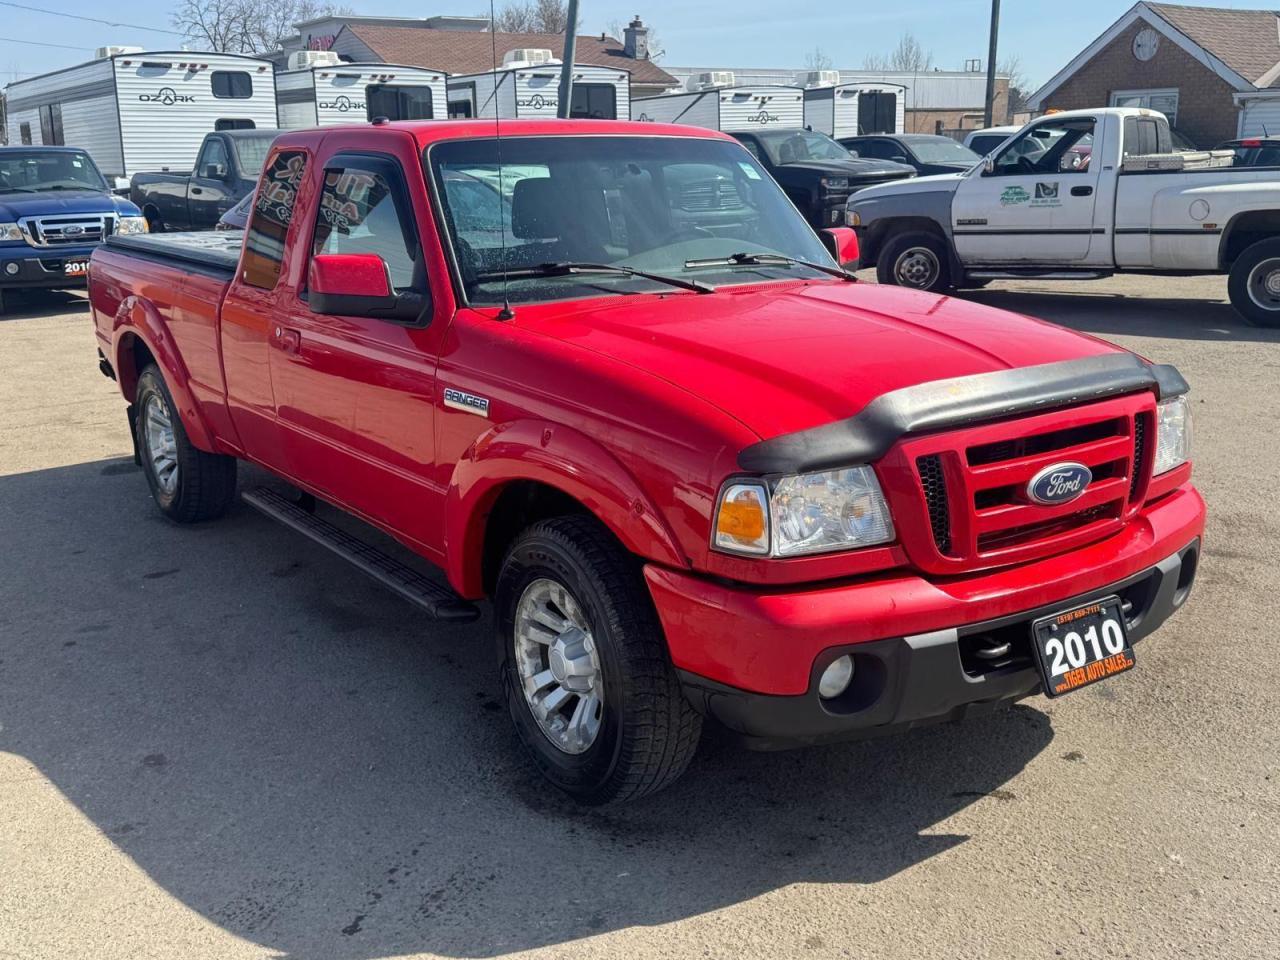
[752,658]
[41,267]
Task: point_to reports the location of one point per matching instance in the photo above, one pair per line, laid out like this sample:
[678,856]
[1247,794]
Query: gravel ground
[218,742]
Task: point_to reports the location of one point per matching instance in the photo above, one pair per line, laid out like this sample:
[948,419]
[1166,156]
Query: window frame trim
[272,156]
[213,84]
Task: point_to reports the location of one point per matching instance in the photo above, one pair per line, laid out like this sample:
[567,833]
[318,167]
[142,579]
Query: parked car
[817,173]
[238,216]
[55,207]
[227,168]
[1040,205]
[699,469]
[983,141]
[926,153]
[1254,151]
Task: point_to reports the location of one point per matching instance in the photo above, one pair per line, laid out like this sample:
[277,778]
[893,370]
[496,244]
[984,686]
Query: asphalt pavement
[218,741]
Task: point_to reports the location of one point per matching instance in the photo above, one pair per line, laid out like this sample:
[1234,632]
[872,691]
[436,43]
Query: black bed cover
[217,250]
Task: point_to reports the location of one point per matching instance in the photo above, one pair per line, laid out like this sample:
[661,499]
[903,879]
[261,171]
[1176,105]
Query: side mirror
[898,158]
[988,166]
[214,171]
[359,285]
[842,243]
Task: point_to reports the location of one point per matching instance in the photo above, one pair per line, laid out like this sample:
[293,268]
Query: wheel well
[882,231]
[1246,230]
[134,358]
[521,503]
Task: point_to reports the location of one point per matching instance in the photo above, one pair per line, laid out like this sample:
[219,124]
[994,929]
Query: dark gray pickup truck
[227,168]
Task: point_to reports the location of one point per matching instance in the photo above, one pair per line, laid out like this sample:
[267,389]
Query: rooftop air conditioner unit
[103,52]
[711,79]
[820,78]
[527,57]
[303,59]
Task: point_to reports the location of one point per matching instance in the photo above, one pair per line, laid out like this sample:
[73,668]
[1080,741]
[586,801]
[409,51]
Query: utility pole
[987,118]
[566,68]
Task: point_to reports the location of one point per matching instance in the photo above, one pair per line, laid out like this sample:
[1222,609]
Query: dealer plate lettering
[75,268]
[1081,646]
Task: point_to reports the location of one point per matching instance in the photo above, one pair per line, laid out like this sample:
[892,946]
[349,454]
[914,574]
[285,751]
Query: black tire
[972,284]
[1253,285]
[204,483]
[154,223]
[647,730]
[928,267]
[3,305]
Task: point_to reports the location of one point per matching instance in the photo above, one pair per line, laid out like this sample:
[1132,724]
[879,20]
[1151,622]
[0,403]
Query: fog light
[12,268]
[836,678]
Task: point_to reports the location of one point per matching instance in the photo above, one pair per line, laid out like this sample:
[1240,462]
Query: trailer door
[877,112]
[594,101]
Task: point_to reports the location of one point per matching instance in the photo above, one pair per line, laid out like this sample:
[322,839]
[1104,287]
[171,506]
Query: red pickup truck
[607,377]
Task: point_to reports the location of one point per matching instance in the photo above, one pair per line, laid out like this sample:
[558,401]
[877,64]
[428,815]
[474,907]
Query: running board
[438,601]
[1034,274]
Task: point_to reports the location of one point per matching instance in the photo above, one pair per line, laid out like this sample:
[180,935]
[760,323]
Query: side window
[231,84]
[1055,147]
[214,154]
[234,123]
[875,149]
[593,101]
[364,209]
[398,102]
[272,213]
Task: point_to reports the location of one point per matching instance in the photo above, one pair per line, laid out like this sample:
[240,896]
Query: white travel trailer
[853,109]
[718,104]
[136,111]
[527,85]
[319,90]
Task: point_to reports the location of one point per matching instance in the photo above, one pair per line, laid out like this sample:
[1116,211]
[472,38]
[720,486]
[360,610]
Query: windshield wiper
[759,259]
[565,269]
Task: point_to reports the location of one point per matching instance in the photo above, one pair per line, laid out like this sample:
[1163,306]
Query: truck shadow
[1113,314]
[298,757]
[33,304]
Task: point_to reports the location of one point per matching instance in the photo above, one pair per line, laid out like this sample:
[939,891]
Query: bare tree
[909,56]
[817,59]
[532,16]
[246,26]
[1019,84]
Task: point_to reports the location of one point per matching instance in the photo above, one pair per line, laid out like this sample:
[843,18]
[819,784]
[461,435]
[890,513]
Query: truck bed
[217,251]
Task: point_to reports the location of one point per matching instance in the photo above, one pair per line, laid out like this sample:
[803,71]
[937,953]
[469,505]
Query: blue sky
[694,32]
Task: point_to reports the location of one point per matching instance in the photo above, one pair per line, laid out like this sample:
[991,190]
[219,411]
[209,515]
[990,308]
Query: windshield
[252,152]
[800,145]
[32,171]
[942,150]
[656,204]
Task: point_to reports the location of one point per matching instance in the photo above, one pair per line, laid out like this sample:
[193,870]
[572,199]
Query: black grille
[1003,450]
[935,497]
[1139,453]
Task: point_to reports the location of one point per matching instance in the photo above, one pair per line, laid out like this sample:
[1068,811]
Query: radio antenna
[506,313]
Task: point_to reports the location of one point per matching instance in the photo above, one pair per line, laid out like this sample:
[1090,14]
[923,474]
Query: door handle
[1081,191]
[196,191]
[290,341]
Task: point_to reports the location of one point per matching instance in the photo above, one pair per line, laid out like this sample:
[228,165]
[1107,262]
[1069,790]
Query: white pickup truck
[1079,195]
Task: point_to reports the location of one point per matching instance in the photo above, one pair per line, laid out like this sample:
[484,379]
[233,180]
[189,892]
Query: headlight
[1173,434]
[11,231]
[803,514]
[835,183]
[128,225]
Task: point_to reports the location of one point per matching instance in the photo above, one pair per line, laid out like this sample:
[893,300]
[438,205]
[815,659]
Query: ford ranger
[696,467]
[55,207]
[1082,194]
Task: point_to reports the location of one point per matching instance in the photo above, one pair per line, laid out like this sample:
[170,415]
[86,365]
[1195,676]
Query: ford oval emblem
[1059,483]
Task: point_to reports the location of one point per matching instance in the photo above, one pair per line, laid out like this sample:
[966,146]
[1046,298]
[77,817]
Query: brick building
[1212,71]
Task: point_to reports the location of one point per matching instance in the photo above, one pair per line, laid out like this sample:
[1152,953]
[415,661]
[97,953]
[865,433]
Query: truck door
[1034,202]
[209,193]
[355,395]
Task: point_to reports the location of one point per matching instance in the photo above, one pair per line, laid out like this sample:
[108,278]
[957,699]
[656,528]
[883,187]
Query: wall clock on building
[1145,44]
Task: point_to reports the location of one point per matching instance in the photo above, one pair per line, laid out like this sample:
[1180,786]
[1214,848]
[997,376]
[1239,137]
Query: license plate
[1081,646]
[75,268]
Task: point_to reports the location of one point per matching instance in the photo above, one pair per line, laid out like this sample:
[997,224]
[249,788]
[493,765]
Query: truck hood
[50,203]
[789,356]
[857,167]
[939,183]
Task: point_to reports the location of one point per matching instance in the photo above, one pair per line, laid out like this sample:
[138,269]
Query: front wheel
[916,260]
[587,678]
[1254,284]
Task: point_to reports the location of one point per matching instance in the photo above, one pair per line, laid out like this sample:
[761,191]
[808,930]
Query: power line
[38,43]
[73,16]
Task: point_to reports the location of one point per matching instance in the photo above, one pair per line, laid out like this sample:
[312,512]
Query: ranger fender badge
[466,402]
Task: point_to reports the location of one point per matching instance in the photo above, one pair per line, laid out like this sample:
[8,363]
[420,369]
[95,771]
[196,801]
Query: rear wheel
[154,223]
[1254,284]
[187,484]
[587,679]
[916,260]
